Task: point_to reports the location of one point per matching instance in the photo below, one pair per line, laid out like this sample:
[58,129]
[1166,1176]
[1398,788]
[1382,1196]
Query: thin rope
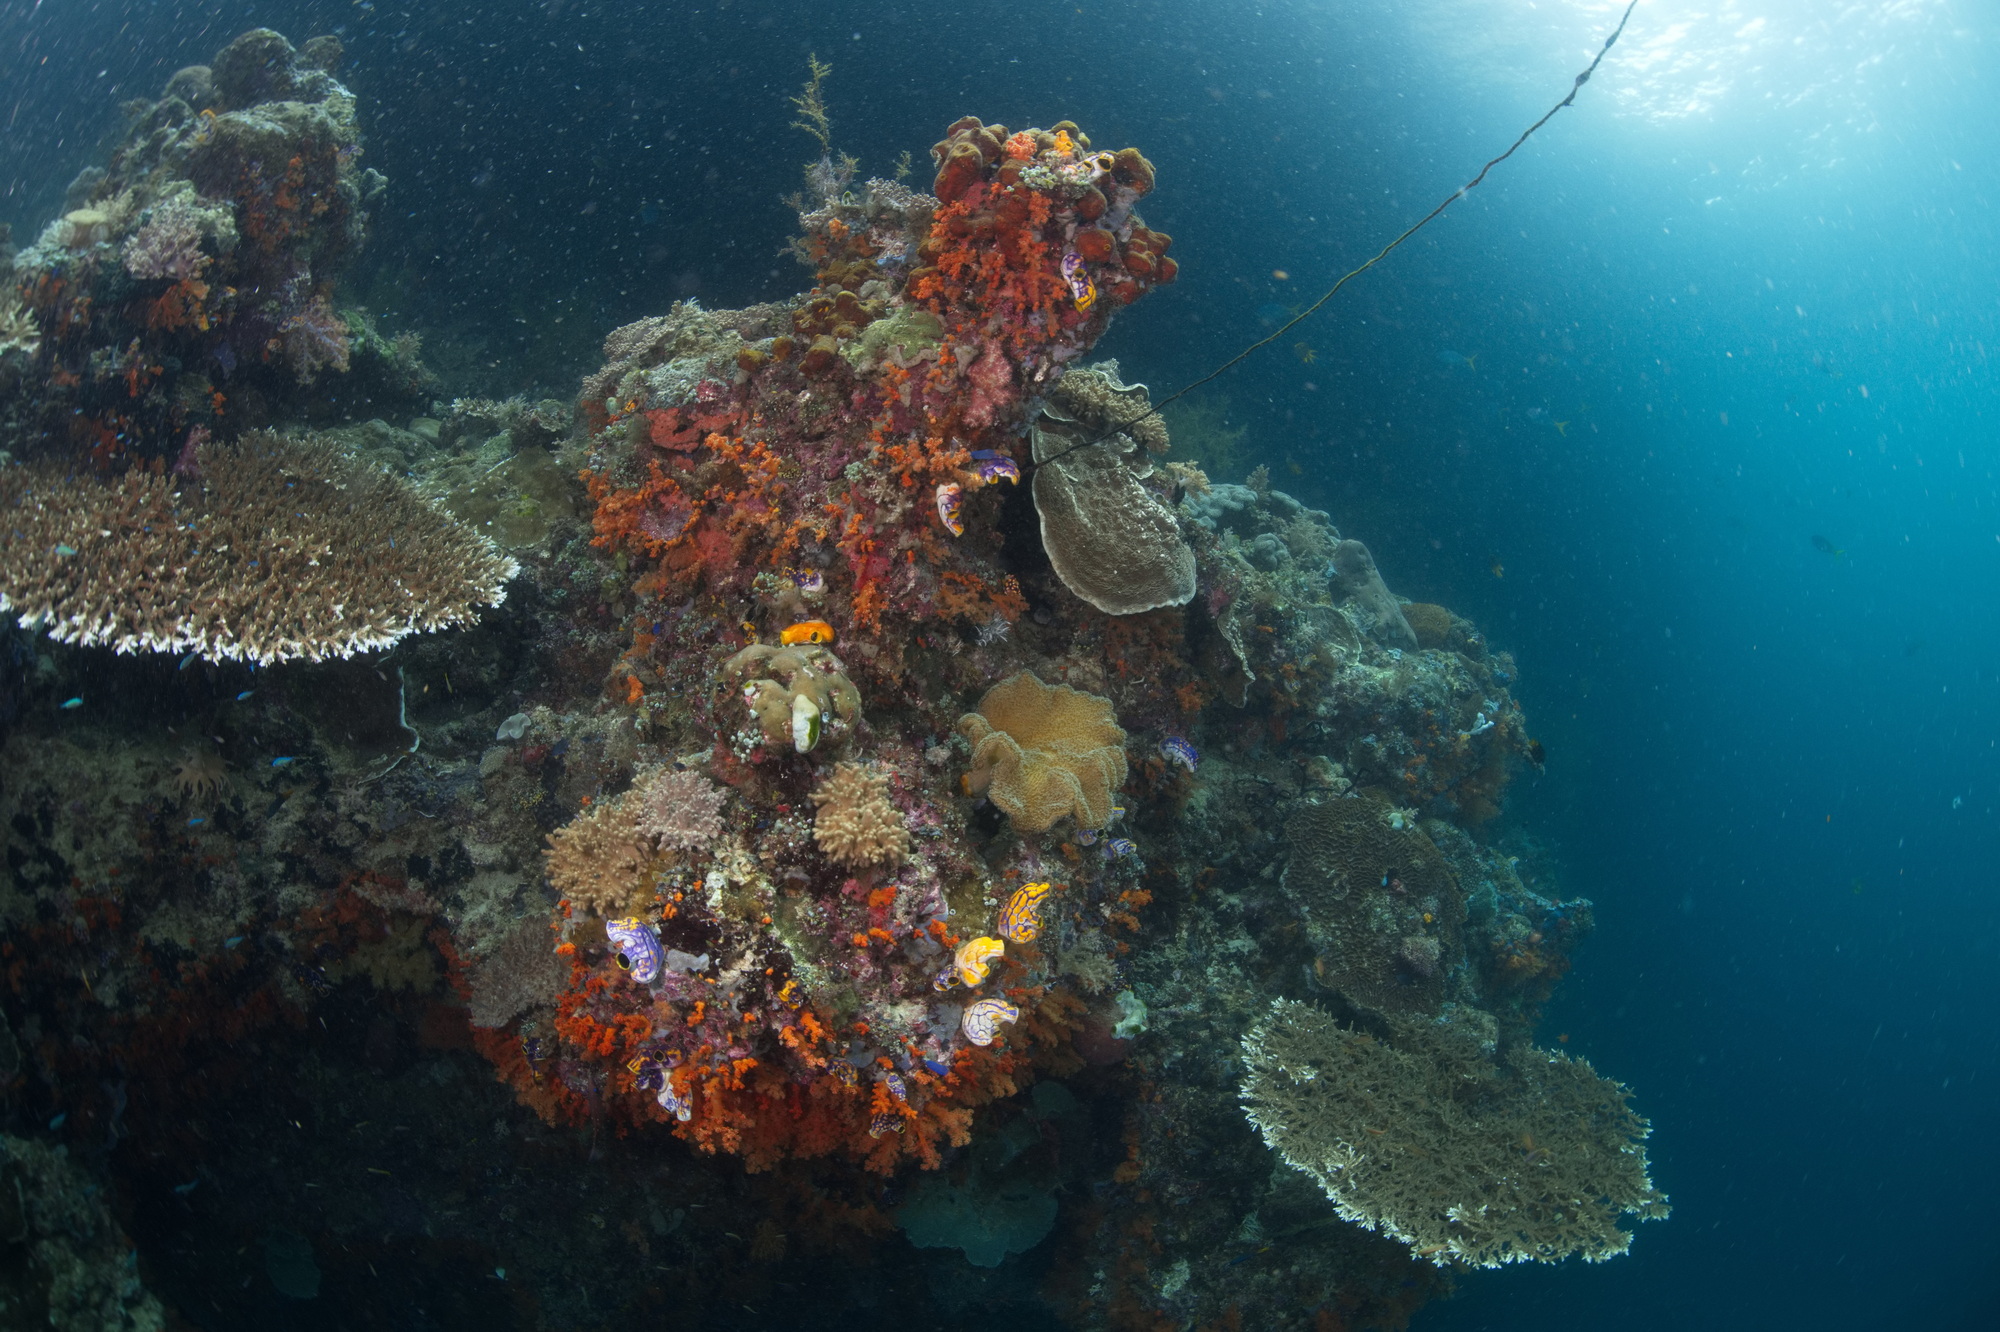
[1380,255]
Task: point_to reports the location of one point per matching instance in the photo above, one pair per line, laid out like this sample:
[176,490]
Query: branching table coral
[1431,1141]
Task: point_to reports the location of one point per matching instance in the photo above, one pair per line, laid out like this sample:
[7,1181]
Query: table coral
[1466,1158]
[272,549]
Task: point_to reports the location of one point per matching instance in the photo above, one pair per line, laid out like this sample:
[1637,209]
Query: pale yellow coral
[1041,752]
[856,825]
[600,861]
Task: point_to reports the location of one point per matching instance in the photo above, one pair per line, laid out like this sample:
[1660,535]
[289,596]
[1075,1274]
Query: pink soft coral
[682,809]
[992,377]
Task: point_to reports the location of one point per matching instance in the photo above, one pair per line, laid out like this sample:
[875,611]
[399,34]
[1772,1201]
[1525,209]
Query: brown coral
[281,548]
[1433,1142]
[1041,752]
[857,825]
[804,694]
[1431,624]
[1379,902]
[599,861]
[681,809]
[516,974]
[1107,535]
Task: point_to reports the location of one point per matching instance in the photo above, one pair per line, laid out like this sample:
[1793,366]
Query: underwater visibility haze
[630,691]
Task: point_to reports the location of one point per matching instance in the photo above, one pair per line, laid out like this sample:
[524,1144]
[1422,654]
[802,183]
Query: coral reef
[1464,1158]
[74,1271]
[611,930]
[1043,753]
[268,550]
[191,283]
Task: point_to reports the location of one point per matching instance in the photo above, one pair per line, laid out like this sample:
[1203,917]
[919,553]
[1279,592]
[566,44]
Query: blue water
[1752,273]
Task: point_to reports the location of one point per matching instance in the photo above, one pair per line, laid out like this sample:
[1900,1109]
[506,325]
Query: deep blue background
[1759,288]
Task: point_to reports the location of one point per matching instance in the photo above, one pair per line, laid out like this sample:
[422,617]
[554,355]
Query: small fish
[1497,569]
[975,958]
[1020,919]
[185,1189]
[188,661]
[982,1019]
[1562,428]
[72,704]
[1451,358]
[948,496]
[281,762]
[1305,351]
[1820,544]
[993,467]
[245,694]
[65,549]
[1180,751]
[196,822]
[232,941]
[638,948]
[58,1121]
[806,631]
[1119,847]
[894,1082]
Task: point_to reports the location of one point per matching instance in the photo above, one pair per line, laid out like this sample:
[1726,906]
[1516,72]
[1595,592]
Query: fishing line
[1380,255]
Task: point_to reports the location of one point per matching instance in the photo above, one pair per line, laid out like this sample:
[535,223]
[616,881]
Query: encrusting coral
[856,825]
[268,550]
[1430,1140]
[1378,901]
[1044,752]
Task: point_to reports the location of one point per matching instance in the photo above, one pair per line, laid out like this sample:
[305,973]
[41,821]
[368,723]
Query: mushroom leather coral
[856,825]
[1041,752]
